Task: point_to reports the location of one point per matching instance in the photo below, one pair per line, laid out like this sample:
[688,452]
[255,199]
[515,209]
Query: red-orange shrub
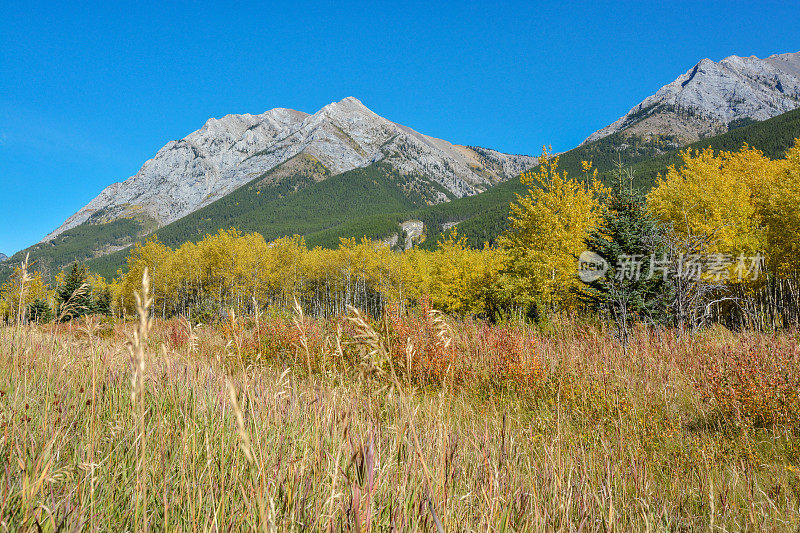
[756,385]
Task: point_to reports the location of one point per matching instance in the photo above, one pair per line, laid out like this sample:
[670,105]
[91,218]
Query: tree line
[694,229]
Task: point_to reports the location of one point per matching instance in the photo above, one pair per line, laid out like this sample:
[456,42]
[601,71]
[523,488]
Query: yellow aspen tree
[14,297]
[547,233]
[780,207]
[154,255]
[711,196]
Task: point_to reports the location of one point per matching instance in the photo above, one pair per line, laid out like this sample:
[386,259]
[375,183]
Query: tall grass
[410,423]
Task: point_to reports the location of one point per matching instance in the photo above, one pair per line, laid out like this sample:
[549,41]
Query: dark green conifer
[74,297]
[634,288]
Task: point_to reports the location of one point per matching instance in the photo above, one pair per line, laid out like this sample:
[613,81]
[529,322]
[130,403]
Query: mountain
[367,201]
[281,172]
[226,153]
[3,257]
[347,172]
[713,97]
[482,217]
[374,201]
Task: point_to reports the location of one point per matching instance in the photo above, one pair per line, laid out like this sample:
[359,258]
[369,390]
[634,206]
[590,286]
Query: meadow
[414,421]
[276,387]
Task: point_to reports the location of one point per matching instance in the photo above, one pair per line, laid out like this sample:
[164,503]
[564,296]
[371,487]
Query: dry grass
[406,424]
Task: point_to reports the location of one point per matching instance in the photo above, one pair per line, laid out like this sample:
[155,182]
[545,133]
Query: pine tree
[74,297]
[631,242]
[39,311]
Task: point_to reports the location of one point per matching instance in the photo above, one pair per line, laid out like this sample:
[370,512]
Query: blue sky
[88,93]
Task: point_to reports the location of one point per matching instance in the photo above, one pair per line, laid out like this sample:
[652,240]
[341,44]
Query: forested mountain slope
[483,217]
[345,206]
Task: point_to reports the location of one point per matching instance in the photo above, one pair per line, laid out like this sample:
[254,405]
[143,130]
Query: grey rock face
[3,257]
[711,95]
[413,231]
[226,153]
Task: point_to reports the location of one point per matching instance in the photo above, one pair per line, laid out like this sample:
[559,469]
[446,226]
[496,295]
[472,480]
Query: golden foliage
[548,230]
[229,269]
[741,202]
[34,289]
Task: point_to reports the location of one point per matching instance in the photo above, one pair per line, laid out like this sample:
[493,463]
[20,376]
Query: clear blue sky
[89,92]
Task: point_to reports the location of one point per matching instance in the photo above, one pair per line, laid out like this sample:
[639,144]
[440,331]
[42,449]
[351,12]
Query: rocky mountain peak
[228,152]
[350,104]
[711,95]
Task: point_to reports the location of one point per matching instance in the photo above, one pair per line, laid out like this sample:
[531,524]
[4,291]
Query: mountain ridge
[478,218]
[226,153]
[345,171]
[711,96]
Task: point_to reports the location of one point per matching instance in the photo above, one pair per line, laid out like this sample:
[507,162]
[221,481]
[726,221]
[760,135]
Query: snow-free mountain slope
[226,153]
[713,96]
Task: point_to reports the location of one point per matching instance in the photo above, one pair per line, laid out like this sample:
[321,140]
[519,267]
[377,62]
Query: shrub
[755,386]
